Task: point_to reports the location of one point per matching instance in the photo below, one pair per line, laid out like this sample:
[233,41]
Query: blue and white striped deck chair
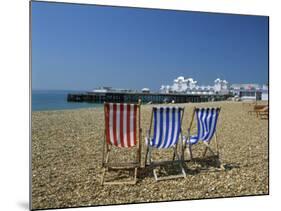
[166,134]
[206,128]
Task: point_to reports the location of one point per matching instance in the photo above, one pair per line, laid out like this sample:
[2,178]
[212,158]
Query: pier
[156,98]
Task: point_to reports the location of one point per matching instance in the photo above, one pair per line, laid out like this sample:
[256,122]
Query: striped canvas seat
[122,130]
[167,127]
[207,119]
[121,124]
[206,125]
[166,123]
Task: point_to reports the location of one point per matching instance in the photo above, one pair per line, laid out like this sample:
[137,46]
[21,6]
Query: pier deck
[121,97]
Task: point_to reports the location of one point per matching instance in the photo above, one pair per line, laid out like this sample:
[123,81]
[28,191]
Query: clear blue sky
[80,47]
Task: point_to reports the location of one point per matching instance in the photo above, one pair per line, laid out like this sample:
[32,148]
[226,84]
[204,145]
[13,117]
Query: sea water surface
[47,100]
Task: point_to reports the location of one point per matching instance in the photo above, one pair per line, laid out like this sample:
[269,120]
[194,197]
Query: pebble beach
[67,155]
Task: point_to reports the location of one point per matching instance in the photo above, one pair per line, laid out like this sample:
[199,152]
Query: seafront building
[250,91]
[239,91]
[190,86]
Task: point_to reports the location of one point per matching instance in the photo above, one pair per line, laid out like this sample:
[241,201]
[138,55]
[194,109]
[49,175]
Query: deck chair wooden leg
[190,151]
[218,153]
[217,145]
[104,168]
[145,158]
[181,161]
[182,152]
[174,155]
[136,175]
[149,155]
[155,175]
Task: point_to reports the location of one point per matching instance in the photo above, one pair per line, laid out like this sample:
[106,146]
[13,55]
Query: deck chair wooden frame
[257,109]
[207,144]
[263,113]
[107,148]
[148,157]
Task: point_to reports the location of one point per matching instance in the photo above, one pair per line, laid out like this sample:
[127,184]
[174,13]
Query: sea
[49,100]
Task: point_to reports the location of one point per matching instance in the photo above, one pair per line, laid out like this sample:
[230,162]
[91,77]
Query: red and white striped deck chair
[122,130]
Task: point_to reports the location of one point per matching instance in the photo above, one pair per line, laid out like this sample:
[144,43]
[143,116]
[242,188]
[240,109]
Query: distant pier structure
[183,90]
[145,97]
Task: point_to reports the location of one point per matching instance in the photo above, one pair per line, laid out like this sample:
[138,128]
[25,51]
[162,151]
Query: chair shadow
[146,171]
[164,169]
[120,175]
[203,164]
[209,162]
